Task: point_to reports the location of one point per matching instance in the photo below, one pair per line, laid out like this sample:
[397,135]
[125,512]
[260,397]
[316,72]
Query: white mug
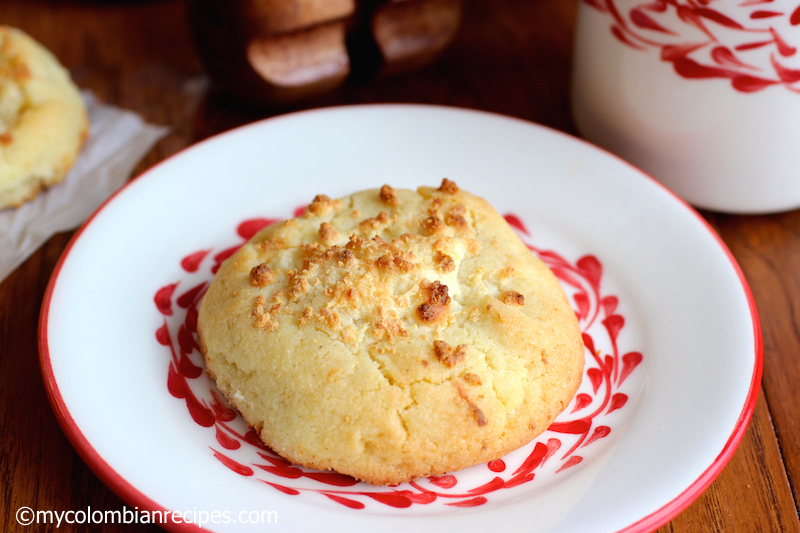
[704,95]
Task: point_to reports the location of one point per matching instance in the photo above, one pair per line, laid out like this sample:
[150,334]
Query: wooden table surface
[510,57]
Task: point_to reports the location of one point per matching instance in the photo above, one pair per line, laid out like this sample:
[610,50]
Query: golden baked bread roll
[392,334]
[43,121]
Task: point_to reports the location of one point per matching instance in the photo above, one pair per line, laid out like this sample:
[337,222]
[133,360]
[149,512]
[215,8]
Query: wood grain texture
[510,57]
[768,250]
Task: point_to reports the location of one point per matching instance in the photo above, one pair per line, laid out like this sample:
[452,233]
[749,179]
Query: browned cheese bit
[261,275]
[444,263]
[513,298]
[480,417]
[472,379]
[455,218]
[432,224]
[448,186]
[436,306]
[328,234]
[389,196]
[321,204]
[446,355]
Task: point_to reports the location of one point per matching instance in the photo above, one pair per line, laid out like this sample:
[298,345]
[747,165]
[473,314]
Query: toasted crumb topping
[442,350]
[305,315]
[374,223]
[443,244]
[437,301]
[316,254]
[438,293]
[331,319]
[262,317]
[407,238]
[328,233]
[366,246]
[389,196]
[455,217]
[513,298]
[460,352]
[389,327]
[345,257]
[395,261]
[298,283]
[444,263]
[261,275]
[280,297]
[458,210]
[322,204]
[472,379]
[507,272]
[446,355]
[433,224]
[436,205]
[312,248]
[480,417]
[448,186]
[428,313]
[349,335]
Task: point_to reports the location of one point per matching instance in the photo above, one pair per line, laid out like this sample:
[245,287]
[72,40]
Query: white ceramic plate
[670,382]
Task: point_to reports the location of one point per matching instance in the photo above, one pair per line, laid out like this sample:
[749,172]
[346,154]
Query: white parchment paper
[117,140]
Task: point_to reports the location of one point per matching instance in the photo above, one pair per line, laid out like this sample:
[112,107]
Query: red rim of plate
[130,494]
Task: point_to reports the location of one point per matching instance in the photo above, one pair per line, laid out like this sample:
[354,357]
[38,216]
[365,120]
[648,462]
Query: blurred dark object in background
[274,52]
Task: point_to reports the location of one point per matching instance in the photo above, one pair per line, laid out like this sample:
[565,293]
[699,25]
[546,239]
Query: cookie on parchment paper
[391,335]
[43,120]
